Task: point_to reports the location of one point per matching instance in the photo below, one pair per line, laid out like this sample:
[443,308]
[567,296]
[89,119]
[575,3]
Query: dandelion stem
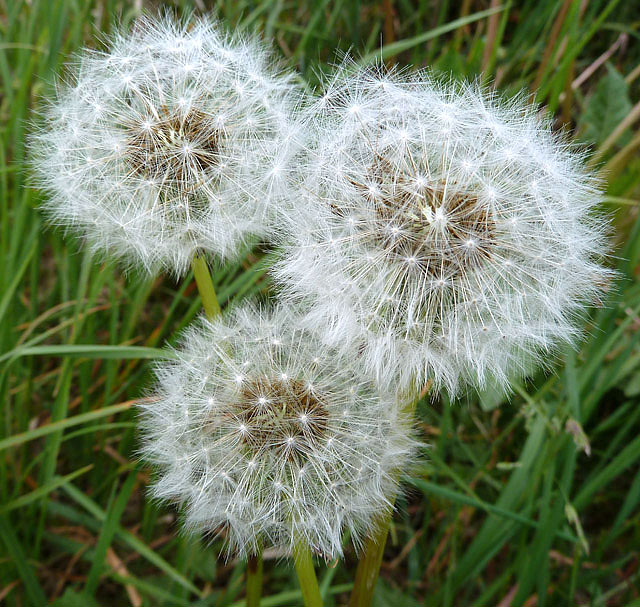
[307,575]
[254,579]
[369,565]
[205,286]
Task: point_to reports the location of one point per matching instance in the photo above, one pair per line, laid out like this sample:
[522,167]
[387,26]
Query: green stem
[369,566]
[307,575]
[205,286]
[254,579]
[370,562]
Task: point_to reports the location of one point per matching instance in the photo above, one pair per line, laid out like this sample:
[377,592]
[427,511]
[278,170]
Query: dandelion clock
[171,142]
[448,233]
[264,434]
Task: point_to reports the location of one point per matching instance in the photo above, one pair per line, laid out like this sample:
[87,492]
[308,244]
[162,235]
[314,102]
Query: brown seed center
[282,415]
[174,148]
[431,227]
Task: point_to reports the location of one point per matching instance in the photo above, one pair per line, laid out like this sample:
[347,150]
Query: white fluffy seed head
[268,436]
[175,139]
[449,233]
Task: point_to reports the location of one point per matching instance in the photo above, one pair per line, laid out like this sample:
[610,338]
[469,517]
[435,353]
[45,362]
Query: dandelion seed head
[461,256]
[174,140]
[298,449]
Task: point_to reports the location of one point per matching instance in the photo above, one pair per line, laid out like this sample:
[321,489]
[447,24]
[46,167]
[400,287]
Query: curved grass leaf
[56,483]
[89,351]
[18,439]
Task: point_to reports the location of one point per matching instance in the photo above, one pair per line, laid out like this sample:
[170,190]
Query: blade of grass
[30,245]
[558,23]
[128,538]
[291,597]
[494,38]
[574,50]
[90,351]
[403,45]
[153,590]
[56,483]
[18,439]
[434,489]
[115,511]
[18,558]
[495,532]
[626,458]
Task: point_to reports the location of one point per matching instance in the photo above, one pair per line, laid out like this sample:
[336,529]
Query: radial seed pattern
[450,234]
[174,140]
[269,437]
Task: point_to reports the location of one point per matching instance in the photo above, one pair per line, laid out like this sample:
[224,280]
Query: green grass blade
[399,46]
[18,558]
[36,494]
[31,245]
[114,514]
[131,540]
[18,439]
[625,459]
[90,351]
[292,597]
[431,488]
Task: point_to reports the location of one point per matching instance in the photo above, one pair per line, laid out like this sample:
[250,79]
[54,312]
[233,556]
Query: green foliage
[607,107]
[391,597]
[75,599]
[529,500]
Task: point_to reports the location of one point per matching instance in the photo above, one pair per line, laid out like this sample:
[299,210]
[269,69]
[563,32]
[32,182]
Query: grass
[534,501]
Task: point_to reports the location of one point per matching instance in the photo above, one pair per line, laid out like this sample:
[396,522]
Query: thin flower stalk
[254,578]
[370,561]
[205,286]
[306,575]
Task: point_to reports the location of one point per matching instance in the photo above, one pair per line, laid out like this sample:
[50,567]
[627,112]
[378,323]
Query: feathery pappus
[448,232]
[173,140]
[268,436]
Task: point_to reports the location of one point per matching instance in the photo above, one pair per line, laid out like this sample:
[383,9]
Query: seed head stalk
[205,286]
[302,555]
[307,575]
[211,308]
[369,565]
[254,579]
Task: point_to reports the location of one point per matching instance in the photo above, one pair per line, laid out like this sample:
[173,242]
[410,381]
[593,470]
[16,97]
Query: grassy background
[533,502]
